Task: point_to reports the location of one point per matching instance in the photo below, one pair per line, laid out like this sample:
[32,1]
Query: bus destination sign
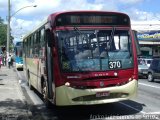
[92,19]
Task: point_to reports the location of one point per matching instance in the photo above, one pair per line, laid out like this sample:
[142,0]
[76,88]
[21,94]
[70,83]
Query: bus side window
[26,48]
[42,43]
[32,46]
[35,46]
[38,43]
[29,46]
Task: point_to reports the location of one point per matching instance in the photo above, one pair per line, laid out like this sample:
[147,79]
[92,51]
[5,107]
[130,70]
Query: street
[145,105]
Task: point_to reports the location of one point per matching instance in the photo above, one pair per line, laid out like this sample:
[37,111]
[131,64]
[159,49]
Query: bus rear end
[95,58]
[18,55]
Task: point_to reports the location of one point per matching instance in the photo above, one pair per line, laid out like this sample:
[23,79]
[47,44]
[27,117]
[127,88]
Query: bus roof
[85,11]
[19,43]
[77,18]
[36,28]
[52,17]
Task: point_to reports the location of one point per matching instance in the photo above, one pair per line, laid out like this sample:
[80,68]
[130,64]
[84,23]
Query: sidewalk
[12,100]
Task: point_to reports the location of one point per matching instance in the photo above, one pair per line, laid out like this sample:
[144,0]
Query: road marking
[148,85]
[154,113]
[133,108]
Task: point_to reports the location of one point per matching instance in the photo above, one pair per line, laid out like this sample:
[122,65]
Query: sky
[29,17]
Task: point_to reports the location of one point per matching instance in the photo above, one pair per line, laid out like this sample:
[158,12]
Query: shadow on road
[12,104]
[157,81]
[15,109]
[85,112]
[97,111]
[3,75]
[40,112]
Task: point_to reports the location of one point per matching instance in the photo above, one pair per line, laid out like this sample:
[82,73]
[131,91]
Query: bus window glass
[28,46]
[94,50]
[35,48]
[124,42]
[35,39]
[32,41]
[42,37]
[25,47]
[42,43]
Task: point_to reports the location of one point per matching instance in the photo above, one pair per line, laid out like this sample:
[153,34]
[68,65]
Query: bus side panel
[134,46]
[31,71]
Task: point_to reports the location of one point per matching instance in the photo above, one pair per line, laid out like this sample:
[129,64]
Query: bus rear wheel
[45,94]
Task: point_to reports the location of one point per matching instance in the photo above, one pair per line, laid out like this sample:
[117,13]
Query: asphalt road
[145,106]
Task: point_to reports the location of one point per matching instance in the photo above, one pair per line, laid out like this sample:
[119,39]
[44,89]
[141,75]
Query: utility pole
[9,20]
[8,28]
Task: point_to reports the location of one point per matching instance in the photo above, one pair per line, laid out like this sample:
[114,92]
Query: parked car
[142,68]
[154,70]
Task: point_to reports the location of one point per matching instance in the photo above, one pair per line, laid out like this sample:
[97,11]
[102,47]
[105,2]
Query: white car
[142,68]
[148,61]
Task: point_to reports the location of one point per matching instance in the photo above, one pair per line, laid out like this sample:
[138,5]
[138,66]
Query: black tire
[145,76]
[45,94]
[150,77]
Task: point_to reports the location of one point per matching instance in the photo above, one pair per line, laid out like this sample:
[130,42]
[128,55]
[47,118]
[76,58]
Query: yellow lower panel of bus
[70,96]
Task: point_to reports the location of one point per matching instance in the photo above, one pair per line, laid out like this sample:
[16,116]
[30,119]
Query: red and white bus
[82,58]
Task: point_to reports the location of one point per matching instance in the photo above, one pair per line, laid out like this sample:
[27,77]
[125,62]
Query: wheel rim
[150,77]
[44,91]
[29,81]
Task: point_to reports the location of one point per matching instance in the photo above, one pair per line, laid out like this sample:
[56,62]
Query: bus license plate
[102,94]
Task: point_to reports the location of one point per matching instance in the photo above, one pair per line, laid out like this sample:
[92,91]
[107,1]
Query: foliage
[3,32]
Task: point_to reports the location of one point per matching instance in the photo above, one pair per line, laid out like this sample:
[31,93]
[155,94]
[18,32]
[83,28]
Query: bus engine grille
[94,97]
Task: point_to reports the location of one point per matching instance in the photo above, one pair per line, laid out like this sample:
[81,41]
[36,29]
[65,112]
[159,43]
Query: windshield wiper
[76,29]
[112,34]
[112,38]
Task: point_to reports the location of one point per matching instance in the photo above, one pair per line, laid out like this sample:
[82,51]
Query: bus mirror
[136,42]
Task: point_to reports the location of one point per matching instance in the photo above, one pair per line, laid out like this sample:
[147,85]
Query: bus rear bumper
[66,96]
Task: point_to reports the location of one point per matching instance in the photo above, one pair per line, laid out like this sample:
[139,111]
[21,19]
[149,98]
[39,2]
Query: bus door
[49,63]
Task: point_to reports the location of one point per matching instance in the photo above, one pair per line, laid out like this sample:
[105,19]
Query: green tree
[3,32]
[1,20]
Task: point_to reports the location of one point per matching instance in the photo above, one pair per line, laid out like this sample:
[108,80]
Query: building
[148,33]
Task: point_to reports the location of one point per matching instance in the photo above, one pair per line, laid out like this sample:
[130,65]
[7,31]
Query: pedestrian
[4,60]
[0,60]
[12,60]
[9,61]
